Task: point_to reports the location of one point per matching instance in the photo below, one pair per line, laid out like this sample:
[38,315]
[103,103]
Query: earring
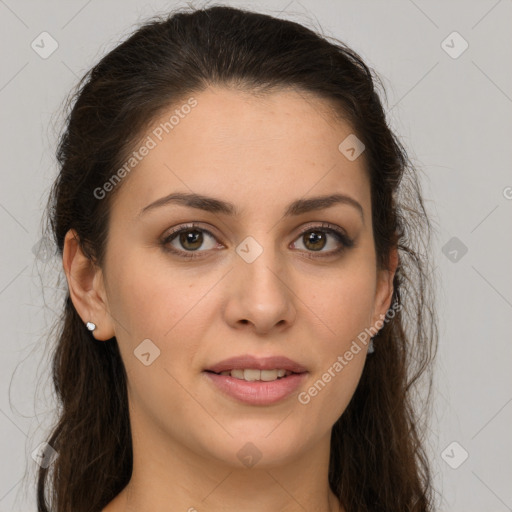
[371,348]
[90,326]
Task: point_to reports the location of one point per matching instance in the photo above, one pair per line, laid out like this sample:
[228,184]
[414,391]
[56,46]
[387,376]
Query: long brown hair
[378,461]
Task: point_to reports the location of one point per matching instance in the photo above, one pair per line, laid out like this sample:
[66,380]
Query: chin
[257,448]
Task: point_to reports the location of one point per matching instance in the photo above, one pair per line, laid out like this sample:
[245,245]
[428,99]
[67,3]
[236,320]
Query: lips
[257,363]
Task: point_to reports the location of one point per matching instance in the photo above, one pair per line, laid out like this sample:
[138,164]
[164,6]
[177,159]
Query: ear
[86,287]
[384,289]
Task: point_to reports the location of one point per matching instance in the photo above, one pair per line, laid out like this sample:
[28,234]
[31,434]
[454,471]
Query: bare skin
[261,154]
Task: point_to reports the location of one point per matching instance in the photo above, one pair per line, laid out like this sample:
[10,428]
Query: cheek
[329,392]
[153,302]
[150,299]
[341,354]
[342,305]
[172,308]
[340,311]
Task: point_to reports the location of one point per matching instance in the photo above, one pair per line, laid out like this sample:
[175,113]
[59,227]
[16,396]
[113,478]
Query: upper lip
[248,361]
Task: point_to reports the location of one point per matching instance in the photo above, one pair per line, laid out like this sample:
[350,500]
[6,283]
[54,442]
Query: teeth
[250,375]
[238,374]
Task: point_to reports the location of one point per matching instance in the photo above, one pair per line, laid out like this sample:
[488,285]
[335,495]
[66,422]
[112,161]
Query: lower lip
[257,392]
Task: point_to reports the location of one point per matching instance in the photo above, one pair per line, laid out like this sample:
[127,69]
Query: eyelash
[340,236]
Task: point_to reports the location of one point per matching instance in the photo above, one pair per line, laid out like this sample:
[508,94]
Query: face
[254,270]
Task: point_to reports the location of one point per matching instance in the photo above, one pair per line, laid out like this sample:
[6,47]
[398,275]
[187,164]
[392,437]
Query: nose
[260,295]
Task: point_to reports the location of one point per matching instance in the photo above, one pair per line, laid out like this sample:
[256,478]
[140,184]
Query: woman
[248,304]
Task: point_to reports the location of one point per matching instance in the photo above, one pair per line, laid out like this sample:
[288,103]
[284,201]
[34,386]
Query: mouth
[252,368]
[253,374]
[252,389]
[256,380]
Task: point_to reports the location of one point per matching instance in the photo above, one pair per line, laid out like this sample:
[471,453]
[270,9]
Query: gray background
[454,116]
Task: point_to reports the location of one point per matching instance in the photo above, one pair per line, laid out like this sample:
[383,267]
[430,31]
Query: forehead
[246,149]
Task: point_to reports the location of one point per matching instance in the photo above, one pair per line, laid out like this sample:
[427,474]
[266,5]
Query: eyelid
[327,226]
[339,233]
[333,229]
[168,235]
[186,227]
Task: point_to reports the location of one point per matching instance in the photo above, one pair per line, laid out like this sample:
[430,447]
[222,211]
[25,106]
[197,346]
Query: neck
[168,476]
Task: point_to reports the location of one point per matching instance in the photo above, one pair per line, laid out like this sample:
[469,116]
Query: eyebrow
[210,204]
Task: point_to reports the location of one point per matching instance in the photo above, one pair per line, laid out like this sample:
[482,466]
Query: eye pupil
[313,237]
[191,239]
[194,237]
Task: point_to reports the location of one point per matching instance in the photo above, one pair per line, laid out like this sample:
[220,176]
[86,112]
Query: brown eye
[191,240]
[314,240]
[187,240]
